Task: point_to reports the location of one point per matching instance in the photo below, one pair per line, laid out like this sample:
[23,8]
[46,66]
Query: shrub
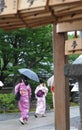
[49,99]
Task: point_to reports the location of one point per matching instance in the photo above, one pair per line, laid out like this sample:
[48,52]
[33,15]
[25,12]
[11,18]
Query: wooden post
[61,83]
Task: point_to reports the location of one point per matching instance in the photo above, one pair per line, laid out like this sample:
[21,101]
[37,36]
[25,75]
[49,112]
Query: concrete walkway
[11,122]
[41,123]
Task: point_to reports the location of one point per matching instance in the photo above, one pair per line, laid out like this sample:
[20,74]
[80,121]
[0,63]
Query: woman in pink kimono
[24,102]
[40,94]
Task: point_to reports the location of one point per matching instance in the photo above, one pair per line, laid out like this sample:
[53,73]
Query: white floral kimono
[41,101]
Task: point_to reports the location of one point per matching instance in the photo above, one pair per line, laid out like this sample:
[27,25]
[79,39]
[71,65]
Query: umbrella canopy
[29,73]
[78,60]
[1,83]
[50,81]
[75,88]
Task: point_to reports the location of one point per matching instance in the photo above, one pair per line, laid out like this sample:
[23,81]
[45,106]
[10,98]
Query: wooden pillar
[61,83]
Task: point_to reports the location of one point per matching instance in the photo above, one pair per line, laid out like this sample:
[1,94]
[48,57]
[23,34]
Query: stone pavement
[74,118]
[11,122]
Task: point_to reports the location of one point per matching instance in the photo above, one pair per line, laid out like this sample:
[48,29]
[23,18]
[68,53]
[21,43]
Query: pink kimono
[41,101]
[24,102]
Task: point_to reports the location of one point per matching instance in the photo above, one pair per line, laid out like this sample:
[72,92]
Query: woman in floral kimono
[24,102]
[40,94]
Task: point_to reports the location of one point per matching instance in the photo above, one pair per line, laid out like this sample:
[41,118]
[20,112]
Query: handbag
[17,95]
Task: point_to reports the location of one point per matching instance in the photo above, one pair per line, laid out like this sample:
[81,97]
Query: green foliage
[30,48]
[49,99]
[11,105]
[72,57]
[73,104]
[7,100]
[70,36]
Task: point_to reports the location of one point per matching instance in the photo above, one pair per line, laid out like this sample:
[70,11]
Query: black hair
[41,81]
[22,77]
[25,79]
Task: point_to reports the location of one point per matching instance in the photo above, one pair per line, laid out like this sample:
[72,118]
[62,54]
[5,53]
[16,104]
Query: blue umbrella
[29,73]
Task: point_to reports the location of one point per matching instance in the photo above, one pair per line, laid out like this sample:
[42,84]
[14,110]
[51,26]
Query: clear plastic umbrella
[50,81]
[29,73]
[76,87]
[1,84]
[78,60]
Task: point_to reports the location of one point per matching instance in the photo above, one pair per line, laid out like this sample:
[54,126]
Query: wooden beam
[69,26]
[66,7]
[36,12]
[62,2]
[10,7]
[8,28]
[68,10]
[40,23]
[75,52]
[70,17]
[11,24]
[24,4]
[37,16]
[61,92]
[11,21]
